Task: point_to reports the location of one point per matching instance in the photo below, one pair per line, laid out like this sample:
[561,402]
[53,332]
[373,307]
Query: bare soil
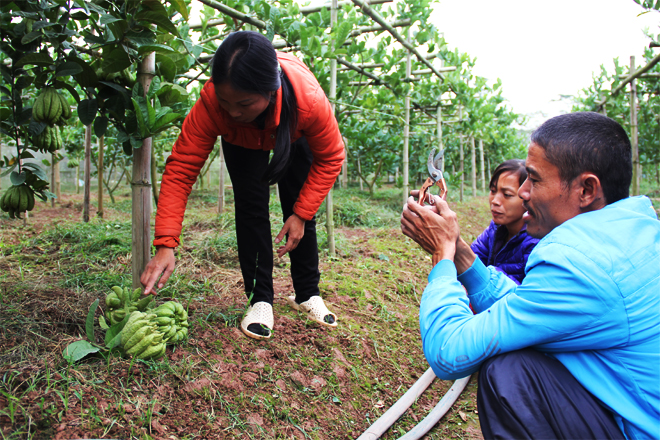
[306,382]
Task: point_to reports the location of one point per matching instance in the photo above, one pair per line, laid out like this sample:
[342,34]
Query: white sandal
[260,313]
[315,309]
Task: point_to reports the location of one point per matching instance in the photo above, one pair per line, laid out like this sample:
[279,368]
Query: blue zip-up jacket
[510,257]
[590,298]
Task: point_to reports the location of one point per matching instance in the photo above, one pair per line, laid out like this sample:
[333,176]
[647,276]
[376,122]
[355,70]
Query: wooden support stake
[405,42]
[329,205]
[461,159]
[87,178]
[481,162]
[473,163]
[441,146]
[221,189]
[633,74]
[99,168]
[633,131]
[344,170]
[406,127]
[141,185]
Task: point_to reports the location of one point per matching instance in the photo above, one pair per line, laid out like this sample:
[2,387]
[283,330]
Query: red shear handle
[423,192]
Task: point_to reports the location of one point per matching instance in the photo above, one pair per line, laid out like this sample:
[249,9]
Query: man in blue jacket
[574,351]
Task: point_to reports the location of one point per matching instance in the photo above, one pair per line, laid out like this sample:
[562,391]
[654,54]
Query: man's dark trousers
[525,394]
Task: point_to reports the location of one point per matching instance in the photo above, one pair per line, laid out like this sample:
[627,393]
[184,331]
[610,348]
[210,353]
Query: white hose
[440,410]
[400,406]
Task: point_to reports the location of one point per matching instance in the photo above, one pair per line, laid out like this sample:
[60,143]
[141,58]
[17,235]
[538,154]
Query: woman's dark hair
[247,61]
[515,166]
[588,142]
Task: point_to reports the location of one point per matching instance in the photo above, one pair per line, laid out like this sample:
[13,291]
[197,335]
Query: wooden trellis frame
[383,25]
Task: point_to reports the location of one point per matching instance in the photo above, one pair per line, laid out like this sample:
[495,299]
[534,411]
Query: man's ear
[591,192]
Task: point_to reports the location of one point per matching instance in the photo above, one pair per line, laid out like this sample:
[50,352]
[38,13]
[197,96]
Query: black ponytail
[247,61]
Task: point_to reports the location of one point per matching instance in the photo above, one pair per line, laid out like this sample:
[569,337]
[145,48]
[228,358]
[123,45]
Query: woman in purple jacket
[505,244]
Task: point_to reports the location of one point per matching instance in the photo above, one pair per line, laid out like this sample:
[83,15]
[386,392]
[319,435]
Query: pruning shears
[436,178]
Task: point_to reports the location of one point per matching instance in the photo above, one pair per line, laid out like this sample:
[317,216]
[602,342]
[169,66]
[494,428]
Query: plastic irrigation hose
[392,415]
[440,410]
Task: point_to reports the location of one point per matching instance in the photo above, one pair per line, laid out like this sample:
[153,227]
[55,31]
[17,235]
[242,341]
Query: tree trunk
[154,177]
[221,189]
[329,205]
[633,131]
[406,127]
[99,168]
[87,178]
[360,174]
[141,186]
[344,172]
[462,168]
[481,161]
[473,163]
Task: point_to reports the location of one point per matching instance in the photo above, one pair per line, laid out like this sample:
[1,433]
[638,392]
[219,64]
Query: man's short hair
[588,142]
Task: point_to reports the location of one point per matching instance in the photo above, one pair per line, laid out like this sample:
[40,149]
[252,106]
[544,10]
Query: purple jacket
[509,258]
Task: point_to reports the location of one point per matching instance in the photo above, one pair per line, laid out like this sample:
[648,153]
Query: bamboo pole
[360,174]
[481,162]
[304,10]
[473,163]
[461,157]
[404,41]
[441,147]
[87,178]
[141,185]
[603,108]
[221,189]
[99,168]
[344,172]
[633,74]
[329,205]
[406,128]
[154,176]
[633,131]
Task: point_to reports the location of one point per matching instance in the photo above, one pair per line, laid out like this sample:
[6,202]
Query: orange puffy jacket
[207,120]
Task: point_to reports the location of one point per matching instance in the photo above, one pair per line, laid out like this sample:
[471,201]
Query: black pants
[527,395]
[255,244]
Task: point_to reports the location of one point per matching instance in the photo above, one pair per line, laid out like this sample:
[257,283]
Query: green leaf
[78,350]
[165,120]
[36,170]
[87,111]
[180,7]
[342,33]
[153,87]
[100,126]
[114,332]
[107,19]
[89,323]
[158,19]
[68,69]
[151,115]
[103,324]
[142,125]
[87,76]
[159,48]
[29,38]
[37,59]
[167,67]
[17,179]
[23,82]
[115,61]
[36,128]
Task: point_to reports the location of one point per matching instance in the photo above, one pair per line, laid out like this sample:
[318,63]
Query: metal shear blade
[436,178]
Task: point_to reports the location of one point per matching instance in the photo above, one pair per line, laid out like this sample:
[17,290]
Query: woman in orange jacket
[258,101]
